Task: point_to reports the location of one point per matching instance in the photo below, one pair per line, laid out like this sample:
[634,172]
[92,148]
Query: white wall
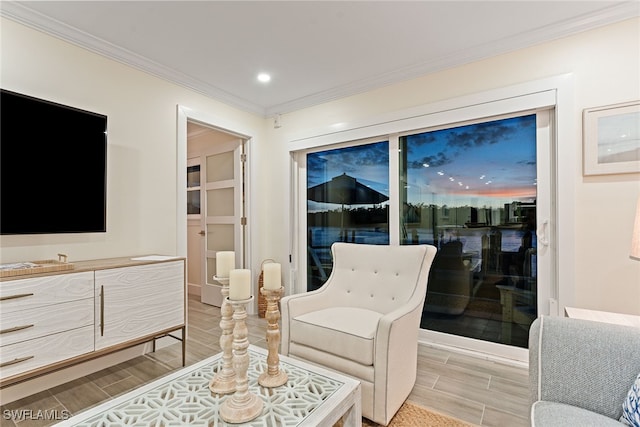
[141,110]
[605,64]
[142,158]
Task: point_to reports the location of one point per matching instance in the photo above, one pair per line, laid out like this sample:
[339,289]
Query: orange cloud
[505,193]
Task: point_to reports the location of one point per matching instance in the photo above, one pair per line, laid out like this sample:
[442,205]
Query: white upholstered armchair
[364,321]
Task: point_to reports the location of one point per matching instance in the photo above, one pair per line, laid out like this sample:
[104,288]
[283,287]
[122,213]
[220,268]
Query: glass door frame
[547,288]
[299,205]
[546,94]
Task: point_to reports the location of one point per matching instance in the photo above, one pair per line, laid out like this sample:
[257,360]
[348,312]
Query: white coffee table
[313,396]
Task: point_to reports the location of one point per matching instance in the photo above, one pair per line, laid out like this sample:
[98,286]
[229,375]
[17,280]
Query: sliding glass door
[347,201]
[471,191]
[479,190]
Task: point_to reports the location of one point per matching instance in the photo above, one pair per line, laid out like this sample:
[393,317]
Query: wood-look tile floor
[475,390]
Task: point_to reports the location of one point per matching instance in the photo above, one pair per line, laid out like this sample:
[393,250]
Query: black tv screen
[53,164]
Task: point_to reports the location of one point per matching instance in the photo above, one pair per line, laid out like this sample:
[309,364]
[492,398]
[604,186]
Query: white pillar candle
[272,276]
[239,284]
[225,262]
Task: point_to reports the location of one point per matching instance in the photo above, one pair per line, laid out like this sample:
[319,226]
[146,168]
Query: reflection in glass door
[347,201]
[471,192]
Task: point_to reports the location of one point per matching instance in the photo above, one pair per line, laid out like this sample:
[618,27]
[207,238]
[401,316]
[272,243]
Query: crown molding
[30,18]
[611,15]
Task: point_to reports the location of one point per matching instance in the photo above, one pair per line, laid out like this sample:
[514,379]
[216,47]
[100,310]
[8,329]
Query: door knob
[201,232]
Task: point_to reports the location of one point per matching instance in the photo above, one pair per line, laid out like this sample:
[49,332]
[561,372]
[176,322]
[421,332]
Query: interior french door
[223,211]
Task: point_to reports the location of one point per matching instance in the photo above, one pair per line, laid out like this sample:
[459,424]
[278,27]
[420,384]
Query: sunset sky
[475,163]
[486,164]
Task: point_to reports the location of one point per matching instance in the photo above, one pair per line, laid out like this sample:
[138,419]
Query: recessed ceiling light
[264,77]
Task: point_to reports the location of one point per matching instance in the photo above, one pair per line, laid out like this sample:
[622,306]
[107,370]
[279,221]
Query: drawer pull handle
[102,310]
[14,361]
[15,328]
[15,296]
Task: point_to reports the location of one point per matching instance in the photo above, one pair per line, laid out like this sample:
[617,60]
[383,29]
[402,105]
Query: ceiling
[315,51]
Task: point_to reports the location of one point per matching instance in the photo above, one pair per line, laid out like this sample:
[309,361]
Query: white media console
[51,321]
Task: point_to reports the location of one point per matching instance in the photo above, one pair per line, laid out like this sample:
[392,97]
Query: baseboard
[476,354]
[193,289]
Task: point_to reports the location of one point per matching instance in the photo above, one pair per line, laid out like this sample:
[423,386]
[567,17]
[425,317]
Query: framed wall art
[611,139]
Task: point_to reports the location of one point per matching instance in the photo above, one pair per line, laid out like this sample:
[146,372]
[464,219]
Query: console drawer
[22,325]
[22,294]
[27,355]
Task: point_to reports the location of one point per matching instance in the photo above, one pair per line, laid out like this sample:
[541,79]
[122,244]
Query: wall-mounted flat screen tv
[53,165]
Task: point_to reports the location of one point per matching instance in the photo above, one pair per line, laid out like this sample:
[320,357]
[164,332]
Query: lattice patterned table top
[183,398]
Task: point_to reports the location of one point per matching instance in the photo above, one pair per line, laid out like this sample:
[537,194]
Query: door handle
[16,296]
[14,361]
[15,329]
[102,310]
[541,233]
[202,233]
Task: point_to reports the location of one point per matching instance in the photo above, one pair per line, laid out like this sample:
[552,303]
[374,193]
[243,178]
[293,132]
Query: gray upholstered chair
[580,371]
[364,321]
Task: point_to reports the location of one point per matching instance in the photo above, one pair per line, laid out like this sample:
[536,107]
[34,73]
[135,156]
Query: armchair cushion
[553,414]
[347,332]
[343,331]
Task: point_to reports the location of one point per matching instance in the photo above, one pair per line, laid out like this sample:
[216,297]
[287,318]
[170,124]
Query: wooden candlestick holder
[273,377]
[224,381]
[242,406]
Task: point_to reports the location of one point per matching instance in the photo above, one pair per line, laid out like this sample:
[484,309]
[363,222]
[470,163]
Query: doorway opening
[212,212]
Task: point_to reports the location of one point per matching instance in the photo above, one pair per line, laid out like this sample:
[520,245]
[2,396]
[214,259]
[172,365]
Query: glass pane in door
[220,166]
[193,190]
[471,192]
[193,176]
[193,202]
[220,202]
[347,201]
